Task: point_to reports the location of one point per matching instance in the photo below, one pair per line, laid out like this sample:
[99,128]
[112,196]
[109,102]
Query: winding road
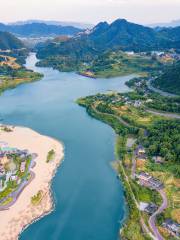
[164,114]
[152,219]
[165,94]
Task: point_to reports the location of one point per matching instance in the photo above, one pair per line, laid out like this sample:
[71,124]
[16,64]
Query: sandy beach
[23,212]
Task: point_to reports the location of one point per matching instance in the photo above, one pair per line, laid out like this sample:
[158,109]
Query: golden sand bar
[23,212]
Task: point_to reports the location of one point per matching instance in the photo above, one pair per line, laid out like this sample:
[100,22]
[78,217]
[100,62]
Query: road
[169,115]
[143,224]
[152,219]
[109,114]
[133,170]
[165,94]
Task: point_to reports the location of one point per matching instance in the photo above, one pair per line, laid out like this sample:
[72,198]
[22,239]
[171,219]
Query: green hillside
[9,42]
[170,79]
[87,49]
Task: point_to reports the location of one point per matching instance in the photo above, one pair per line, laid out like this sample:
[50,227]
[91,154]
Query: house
[2,170]
[149,100]
[23,166]
[137,103]
[151,208]
[172,227]
[156,184]
[143,176]
[147,180]
[3,144]
[142,206]
[140,150]
[158,159]
[130,53]
[14,178]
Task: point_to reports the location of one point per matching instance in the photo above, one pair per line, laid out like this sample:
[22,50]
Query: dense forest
[170,79]
[164,140]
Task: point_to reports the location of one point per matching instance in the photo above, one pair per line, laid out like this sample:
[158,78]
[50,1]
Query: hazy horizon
[139,11]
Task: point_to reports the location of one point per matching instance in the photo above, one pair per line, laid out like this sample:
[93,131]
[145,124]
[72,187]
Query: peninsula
[34,199]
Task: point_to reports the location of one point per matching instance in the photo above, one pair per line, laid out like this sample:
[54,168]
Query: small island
[25,177]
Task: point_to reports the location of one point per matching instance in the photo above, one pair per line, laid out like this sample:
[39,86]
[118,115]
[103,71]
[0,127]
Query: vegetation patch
[50,155]
[36,199]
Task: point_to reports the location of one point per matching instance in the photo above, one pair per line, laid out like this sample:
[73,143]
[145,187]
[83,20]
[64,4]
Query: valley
[111,94]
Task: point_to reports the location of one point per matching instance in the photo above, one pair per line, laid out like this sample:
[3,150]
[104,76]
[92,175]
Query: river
[89,201]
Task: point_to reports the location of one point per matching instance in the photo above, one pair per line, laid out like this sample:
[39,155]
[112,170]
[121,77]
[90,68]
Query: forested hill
[9,42]
[39,30]
[121,35]
[170,80]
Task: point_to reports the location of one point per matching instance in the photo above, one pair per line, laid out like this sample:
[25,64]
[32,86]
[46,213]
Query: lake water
[89,202]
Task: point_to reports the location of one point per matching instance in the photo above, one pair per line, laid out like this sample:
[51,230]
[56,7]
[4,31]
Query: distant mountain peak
[120,20]
[100,27]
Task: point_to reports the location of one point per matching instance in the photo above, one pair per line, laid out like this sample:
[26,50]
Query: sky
[90,11]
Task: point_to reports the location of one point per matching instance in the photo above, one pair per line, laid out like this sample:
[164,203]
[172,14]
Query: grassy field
[135,116]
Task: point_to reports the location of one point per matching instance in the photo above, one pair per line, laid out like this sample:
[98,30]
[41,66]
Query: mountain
[120,35]
[81,50]
[79,25]
[169,81]
[174,23]
[123,34]
[9,42]
[39,30]
[172,34]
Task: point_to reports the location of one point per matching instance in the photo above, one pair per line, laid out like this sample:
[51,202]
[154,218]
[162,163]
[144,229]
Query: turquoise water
[88,196]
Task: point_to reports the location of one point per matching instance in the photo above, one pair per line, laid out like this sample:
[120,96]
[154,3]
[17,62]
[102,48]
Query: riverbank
[130,121]
[24,211]
[8,82]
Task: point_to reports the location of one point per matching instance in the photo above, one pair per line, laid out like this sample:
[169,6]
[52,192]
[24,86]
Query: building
[158,159]
[149,208]
[143,176]
[149,100]
[14,178]
[23,166]
[172,227]
[140,150]
[2,170]
[137,103]
[147,180]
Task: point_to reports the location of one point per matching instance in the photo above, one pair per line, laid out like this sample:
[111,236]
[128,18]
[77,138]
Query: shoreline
[23,213]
